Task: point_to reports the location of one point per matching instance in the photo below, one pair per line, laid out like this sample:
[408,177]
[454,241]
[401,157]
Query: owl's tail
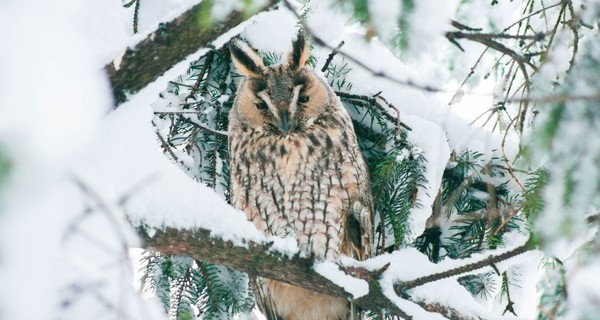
[281,301]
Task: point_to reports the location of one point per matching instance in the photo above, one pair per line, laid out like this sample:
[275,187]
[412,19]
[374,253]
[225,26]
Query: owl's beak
[284,124]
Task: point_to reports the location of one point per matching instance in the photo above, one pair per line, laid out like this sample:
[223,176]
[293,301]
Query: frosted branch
[263,259]
[163,48]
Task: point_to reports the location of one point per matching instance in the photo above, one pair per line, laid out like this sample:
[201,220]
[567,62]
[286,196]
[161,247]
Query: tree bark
[162,49]
[262,260]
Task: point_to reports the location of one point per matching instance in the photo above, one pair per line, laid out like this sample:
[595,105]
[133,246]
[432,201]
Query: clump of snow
[287,246]
[326,19]
[159,194]
[58,242]
[583,292]
[386,15]
[409,264]
[260,33]
[356,287]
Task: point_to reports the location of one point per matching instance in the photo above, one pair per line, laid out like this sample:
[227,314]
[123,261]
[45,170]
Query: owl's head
[280,99]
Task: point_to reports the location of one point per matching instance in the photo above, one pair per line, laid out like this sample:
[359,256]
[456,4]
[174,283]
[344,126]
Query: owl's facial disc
[285,113]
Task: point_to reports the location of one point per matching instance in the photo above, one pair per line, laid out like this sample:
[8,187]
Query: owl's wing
[359,222]
[359,228]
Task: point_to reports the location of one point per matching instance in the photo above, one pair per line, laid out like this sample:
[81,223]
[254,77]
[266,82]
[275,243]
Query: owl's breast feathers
[311,184]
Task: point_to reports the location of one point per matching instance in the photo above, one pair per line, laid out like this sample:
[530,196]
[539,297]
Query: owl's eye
[303,99]
[261,105]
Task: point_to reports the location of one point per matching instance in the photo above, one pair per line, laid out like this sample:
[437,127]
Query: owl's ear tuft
[245,59]
[300,53]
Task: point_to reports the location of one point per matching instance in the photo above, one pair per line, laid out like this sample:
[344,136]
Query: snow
[159,194]
[286,246]
[356,287]
[52,98]
[387,15]
[409,264]
[281,20]
[74,174]
[79,177]
[583,292]
[438,22]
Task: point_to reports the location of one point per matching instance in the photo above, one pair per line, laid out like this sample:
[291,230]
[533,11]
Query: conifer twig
[372,100]
[406,285]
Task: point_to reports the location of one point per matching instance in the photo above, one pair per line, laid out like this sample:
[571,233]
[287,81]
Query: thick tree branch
[165,47]
[258,259]
[262,260]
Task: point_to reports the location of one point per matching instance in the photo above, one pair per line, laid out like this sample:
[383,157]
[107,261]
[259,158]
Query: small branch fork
[372,100]
[262,260]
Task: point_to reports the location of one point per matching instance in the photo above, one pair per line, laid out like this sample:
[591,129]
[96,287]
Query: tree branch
[258,259]
[491,260]
[265,261]
[165,47]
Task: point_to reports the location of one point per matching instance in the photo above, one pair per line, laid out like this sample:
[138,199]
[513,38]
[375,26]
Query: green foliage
[188,288]
[203,16]
[482,285]
[191,110]
[476,207]
[336,75]
[396,177]
[563,135]
[404,24]
[190,117]
[532,195]
[136,12]
[361,10]
[5,165]
[505,292]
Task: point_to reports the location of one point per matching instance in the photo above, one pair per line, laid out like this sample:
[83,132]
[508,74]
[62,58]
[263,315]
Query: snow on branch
[265,260]
[165,47]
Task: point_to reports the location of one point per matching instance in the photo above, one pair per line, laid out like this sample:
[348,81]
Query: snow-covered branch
[265,260]
[165,47]
[257,260]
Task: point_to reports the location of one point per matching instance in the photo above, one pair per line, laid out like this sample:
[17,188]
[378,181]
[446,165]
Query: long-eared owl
[297,171]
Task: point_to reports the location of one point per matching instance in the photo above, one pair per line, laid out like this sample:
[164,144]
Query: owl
[297,171]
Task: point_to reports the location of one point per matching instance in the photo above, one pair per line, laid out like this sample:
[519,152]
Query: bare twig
[213,131]
[406,285]
[331,55]
[205,68]
[489,42]
[372,100]
[559,98]
[165,144]
[533,14]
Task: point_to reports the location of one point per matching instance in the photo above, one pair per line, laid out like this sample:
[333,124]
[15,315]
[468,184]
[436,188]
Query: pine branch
[165,47]
[491,260]
[264,261]
[256,259]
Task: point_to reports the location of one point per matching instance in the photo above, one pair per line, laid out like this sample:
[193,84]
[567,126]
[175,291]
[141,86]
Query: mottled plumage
[296,170]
